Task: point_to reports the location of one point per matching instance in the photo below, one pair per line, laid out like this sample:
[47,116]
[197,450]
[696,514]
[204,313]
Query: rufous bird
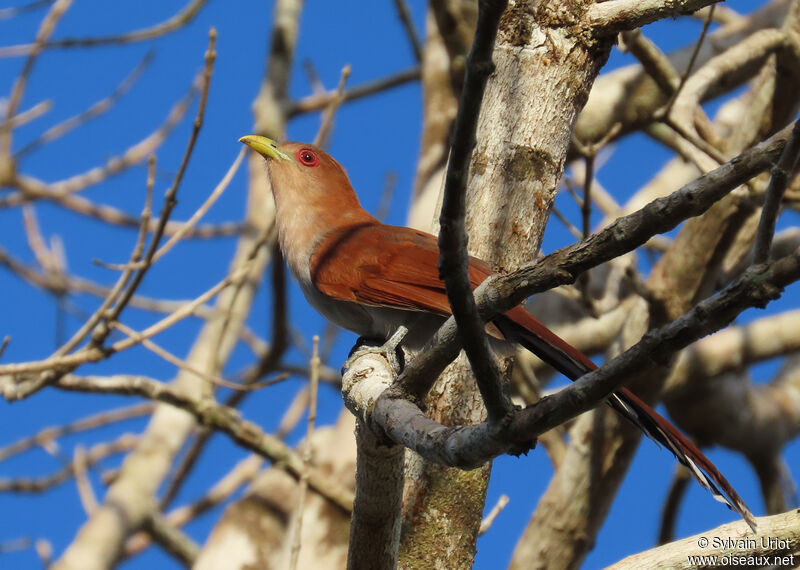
[370,278]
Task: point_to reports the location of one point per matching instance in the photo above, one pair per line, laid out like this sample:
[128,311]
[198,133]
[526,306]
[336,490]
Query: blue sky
[372,137]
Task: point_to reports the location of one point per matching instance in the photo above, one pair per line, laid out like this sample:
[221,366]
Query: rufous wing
[386,266]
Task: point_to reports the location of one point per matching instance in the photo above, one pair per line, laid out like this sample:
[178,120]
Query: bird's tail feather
[520,326]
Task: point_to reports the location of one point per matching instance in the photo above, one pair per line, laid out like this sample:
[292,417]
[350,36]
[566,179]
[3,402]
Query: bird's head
[313,196]
[302,170]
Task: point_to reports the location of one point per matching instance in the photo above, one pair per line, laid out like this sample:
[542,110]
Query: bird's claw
[501,431]
[389,350]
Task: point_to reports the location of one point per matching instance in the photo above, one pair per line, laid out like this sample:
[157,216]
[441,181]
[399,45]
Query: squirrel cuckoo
[371,278]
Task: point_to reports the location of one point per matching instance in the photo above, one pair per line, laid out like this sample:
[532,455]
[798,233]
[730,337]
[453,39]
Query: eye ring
[307,157]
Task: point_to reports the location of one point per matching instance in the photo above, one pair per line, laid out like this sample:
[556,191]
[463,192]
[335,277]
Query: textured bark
[440,525]
[377,516]
[375,532]
[570,513]
[443,506]
[629,96]
[780,536]
[544,72]
[753,423]
[521,148]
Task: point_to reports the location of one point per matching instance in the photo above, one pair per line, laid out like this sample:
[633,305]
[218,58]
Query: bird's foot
[501,428]
[390,350]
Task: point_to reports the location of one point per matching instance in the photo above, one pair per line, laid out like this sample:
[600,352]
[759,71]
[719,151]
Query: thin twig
[586,206]
[183,365]
[111,215]
[169,196]
[313,77]
[453,256]
[85,491]
[135,256]
[32,189]
[25,117]
[669,512]
[317,102]
[330,109]
[486,523]
[220,418]
[180,19]
[186,227]
[8,13]
[62,128]
[686,72]
[102,419]
[44,257]
[15,544]
[174,542]
[654,62]
[46,28]
[772,200]
[303,487]
[95,354]
[96,453]
[411,30]
[293,413]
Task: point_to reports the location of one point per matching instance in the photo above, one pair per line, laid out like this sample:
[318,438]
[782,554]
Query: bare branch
[297,530]
[172,540]
[563,266]
[62,128]
[46,28]
[453,256]
[330,109]
[218,417]
[470,446]
[618,15]
[8,13]
[777,186]
[49,434]
[318,102]
[486,523]
[33,189]
[411,31]
[180,19]
[96,453]
[776,540]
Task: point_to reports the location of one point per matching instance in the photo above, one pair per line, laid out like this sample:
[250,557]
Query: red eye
[307,157]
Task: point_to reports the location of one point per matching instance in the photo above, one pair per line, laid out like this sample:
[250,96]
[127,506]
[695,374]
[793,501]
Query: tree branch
[502,293]
[470,446]
[615,16]
[453,256]
[777,539]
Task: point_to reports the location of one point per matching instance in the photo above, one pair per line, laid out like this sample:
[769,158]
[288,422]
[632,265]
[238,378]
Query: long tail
[520,326]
